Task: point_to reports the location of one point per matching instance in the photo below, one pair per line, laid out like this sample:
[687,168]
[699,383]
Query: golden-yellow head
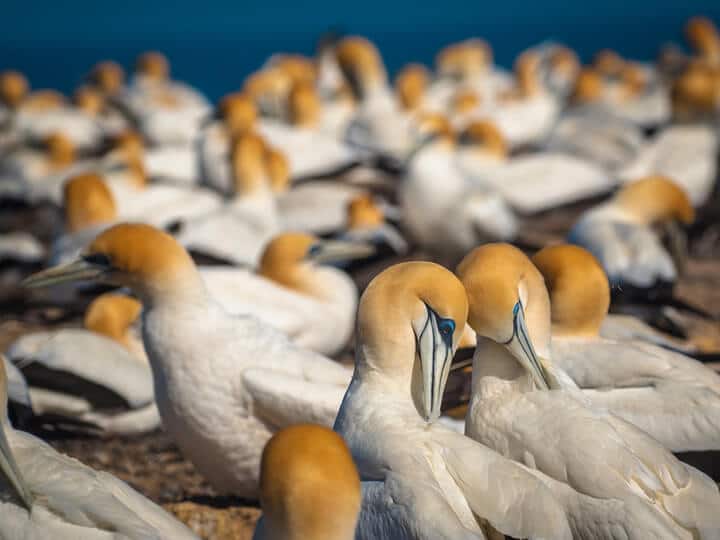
[435,125]
[579,289]
[363,213]
[589,86]
[153,65]
[108,77]
[304,105]
[282,255]
[509,304]
[300,69]
[410,320]
[88,100]
[147,260]
[13,88]
[526,73]
[309,485]
[695,92]
[465,59]
[485,136]
[608,63]
[238,112]
[656,199]
[111,315]
[465,101]
[60,150]
[702,34]
[88,202]
[564,61]
[410,85]
[361,63]
[634,80]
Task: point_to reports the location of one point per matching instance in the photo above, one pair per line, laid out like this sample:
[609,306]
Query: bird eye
[446,327]
[314,250]
[98,259]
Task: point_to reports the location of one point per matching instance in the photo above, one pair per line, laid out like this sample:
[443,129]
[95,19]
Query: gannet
[49,495]
[618,232]
[166,111]
[532,182]
[240,229]
[114,316]
[124,169]
[366,223]
[89,379]
[88,207]
[529,410]
[311,152]
[236,115]
[37,174]
[309,486]
[379,124]
[702,34]
[211,370]
[671,397]
[442,209]
[313,305]
[411,84]
[525,114]
[422,480]
[92,103]
[694,93]
[685,153]
[107,77]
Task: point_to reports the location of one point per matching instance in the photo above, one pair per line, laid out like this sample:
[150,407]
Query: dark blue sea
[214,45]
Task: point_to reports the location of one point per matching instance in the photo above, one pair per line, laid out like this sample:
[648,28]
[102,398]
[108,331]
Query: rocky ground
[153,465]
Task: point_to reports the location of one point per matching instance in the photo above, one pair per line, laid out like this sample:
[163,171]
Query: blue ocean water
[214,44]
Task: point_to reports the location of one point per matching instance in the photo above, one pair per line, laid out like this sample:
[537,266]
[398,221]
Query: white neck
[493,360]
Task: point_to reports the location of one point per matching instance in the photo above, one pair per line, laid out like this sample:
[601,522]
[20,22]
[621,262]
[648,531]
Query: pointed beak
[436,354]
[11,472]
[79,270]
[336,251]
[522,348]
[677,244]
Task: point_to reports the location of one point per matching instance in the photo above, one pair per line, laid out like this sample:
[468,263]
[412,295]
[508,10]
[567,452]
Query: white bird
[49,495]
[530,411]
[442,209]
[671,397]
[160,204]
[525,114]
[92,379]
[236,115]
[532,182]
[239,230]
[309,486]
[310,151]
[167,112]
[379,125]
[38,173]
[88,207]
[366,224]
[211,370]
[618,232]
[313,305]
[687,154]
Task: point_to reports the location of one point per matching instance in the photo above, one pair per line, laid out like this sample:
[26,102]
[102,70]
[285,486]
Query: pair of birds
[410,319]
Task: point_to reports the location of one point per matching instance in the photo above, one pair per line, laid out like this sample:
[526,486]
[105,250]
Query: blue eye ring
[446,327]
[314,250]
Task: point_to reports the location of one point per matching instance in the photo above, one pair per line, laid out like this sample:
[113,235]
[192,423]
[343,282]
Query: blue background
[215,44]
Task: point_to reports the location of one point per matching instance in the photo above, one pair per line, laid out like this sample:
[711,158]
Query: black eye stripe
[98,259]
